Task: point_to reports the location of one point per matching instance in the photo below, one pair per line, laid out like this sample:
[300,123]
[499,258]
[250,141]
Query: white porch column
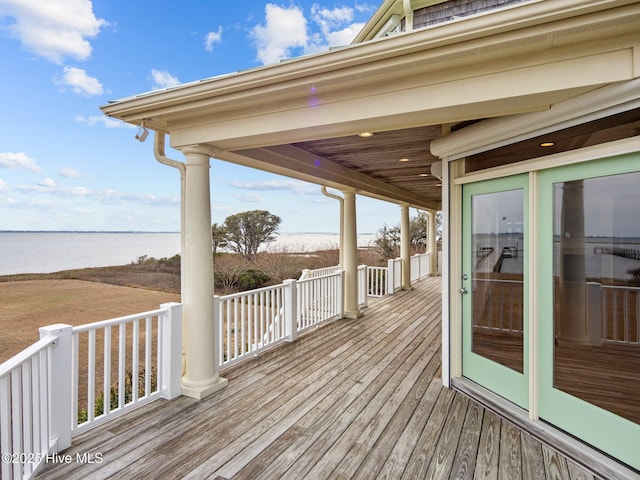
[201,343]
[432,244]
[405,244]
[351,309]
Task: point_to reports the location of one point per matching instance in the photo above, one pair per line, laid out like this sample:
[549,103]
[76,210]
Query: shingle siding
[443,12]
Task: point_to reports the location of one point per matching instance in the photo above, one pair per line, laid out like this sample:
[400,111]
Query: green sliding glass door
[494,289]
[589,310]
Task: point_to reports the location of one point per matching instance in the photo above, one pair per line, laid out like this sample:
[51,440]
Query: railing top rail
[26,354]
[616,287]
[115,321]
[496,280]
[250,292]
[311,279]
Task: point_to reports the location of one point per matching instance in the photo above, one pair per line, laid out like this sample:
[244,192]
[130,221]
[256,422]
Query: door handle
[464,291]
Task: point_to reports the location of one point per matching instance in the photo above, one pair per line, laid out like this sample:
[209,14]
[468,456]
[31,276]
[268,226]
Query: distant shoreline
[53,251]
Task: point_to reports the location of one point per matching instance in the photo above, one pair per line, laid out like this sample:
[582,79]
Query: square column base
[353,315]
[201,392]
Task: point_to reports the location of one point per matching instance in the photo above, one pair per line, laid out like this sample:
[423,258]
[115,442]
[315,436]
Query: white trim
[497,132]
[533,296]
[446,290]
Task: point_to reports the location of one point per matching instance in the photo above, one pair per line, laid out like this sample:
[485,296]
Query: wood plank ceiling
[400,157]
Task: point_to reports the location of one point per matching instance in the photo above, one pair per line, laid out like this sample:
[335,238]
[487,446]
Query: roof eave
[156,107]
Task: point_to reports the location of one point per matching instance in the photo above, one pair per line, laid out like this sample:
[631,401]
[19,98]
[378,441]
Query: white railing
[394,275]
[25,439]
[420,266]
[377,281]
[380,281]
[363,288]
[41,386]
[613,314]
[249,322]
[497,305]
[125,364]
[319,272]
[318,299]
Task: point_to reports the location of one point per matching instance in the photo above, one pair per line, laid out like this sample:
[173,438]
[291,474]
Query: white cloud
[115,197]
[250,198]
[211,38]
[329,19]
[49,186]
[336,26]
[104,120]
[19,160]
[287,32]
[80,82]
[162,79]
[284,30]
[344,36]
[47,183]
[3,186]
[68,172]
[278,185]
[53,29]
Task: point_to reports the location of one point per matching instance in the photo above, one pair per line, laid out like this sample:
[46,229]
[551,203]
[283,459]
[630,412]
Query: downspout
[341,244]
[158,152]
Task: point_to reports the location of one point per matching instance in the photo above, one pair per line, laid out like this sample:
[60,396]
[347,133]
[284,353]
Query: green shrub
[252,279]
[83,414]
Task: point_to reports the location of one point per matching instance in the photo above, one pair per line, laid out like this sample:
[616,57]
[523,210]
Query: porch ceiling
[393,165]
[399,157]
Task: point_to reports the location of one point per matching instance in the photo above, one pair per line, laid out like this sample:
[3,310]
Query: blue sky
[65,166]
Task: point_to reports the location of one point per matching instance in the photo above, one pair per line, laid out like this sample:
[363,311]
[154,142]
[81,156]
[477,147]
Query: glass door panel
[590,292]
[494,348]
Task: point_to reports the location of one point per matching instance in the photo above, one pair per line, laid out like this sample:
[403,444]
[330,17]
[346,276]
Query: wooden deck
[352,399]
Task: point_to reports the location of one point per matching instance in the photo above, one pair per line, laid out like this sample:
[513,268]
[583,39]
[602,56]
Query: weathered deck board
[488,449]
[352,399]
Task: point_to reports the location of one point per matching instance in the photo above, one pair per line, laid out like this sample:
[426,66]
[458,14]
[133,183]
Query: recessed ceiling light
[547,144]
[424,174]
[438,184]
[403,160]
[365,134]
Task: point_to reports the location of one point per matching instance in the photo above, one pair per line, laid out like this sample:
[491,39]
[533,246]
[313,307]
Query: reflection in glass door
[590,351]
[494,348]
[497,277]
[597,292]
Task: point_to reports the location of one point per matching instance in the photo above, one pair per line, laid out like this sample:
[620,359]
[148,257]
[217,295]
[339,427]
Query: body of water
[597,265]
[46,252]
